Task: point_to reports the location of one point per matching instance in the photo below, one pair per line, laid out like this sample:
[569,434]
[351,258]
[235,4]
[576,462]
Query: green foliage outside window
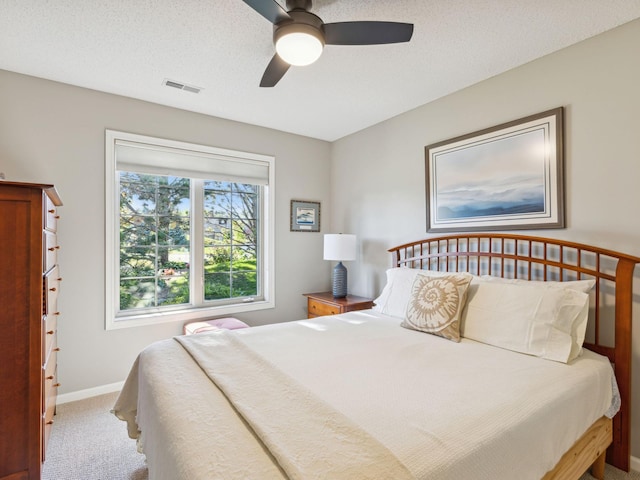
[156,246]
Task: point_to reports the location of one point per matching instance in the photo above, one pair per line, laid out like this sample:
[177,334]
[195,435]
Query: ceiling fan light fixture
[299,44]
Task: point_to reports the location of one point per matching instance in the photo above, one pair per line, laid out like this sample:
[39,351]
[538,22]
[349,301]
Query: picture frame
[305,216]
[506,177]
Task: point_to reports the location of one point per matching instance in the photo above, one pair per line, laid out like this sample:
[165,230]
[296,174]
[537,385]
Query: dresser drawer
[320,309]
[50,394]
[51,248]
[51,215]
[50,384]
[51,290]
[49,335]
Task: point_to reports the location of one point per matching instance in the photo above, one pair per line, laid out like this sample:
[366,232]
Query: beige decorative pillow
[436,303]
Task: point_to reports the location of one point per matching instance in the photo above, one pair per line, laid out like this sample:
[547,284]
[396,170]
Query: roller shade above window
[170,161]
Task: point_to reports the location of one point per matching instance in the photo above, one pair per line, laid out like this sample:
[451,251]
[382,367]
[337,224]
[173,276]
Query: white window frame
[113,320]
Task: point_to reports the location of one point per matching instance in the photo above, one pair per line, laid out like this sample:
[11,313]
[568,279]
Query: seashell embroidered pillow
[436,304]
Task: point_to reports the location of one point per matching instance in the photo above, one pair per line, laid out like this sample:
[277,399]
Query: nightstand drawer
[324,303]
[317,308]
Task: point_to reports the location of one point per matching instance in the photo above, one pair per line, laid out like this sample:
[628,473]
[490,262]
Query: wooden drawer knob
[57,313]
[51,211]
[50,377]
[50,332]
[52,289]
[56,385]
[51,249]
[57,349]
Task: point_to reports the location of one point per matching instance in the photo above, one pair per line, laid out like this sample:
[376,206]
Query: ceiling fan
[299,35]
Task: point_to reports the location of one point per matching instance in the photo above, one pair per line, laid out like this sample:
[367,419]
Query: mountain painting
[501,177]
[505,177]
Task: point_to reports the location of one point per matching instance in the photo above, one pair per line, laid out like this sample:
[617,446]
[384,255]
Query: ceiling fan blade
[274,72]
[269,9]
[367,33]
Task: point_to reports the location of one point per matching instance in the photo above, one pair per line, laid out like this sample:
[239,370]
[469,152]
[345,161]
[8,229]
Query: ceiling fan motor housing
[301,21]
[298,4]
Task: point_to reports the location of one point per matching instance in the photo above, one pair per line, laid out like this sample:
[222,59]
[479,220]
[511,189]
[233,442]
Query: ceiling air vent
[181,86]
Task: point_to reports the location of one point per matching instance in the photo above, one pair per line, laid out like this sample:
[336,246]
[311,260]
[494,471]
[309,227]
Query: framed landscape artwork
[305,216]
[502,178]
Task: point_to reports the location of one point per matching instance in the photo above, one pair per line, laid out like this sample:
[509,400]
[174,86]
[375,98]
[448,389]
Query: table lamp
[339,247]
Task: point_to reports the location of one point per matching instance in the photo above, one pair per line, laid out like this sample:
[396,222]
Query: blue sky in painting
[503,176]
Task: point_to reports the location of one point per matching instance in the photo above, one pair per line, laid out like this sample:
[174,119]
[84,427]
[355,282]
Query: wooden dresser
[29,287]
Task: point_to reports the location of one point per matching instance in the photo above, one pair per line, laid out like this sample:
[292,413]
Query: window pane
[217,286]
[217,259]
[244,284]
[217,231]
[138,197]
[137,261]
[220,186]
[154,240]
[216,204]
[245,232]
[173,195]
[173,231]
[231,240]
[246,188]
[173,289]
[137,294]
[178,259]
[137,230]
[244,206]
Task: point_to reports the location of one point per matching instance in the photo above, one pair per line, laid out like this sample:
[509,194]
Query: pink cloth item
[227,323]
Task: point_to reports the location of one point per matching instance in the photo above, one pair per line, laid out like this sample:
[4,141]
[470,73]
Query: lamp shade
[339,246]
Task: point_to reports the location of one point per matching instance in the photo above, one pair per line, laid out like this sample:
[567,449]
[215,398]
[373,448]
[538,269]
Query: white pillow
[395,295]
[527,317]
[580,324]
[579,285]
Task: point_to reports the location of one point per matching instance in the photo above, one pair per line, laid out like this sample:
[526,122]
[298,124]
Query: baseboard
[89,392]
[635,463]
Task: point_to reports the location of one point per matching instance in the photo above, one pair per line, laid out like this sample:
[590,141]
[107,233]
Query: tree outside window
[156,245]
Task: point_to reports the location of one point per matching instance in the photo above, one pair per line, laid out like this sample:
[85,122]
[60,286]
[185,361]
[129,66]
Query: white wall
[598,83]
[54,133]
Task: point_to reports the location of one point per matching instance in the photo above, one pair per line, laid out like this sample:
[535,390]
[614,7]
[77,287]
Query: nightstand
[323,303]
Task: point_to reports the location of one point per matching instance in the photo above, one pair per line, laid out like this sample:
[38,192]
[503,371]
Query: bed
[392,393]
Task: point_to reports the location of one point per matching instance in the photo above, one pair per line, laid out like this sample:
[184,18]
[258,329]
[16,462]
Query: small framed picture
[305,216]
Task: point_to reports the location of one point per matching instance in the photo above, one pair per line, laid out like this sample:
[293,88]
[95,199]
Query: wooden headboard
[537,258]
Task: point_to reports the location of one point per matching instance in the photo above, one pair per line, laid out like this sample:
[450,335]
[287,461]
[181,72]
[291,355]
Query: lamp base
[339,281]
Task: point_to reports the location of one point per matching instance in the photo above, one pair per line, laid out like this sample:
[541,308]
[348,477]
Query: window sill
[188,315]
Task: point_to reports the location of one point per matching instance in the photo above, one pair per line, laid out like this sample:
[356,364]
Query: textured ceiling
[128,47]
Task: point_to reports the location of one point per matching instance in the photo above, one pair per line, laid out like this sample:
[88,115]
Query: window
[189,231]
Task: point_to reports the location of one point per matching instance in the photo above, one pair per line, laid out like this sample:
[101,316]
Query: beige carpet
[89,443]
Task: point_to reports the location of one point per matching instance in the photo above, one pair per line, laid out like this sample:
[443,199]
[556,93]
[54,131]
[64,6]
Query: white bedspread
[445,410]
[308,438]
